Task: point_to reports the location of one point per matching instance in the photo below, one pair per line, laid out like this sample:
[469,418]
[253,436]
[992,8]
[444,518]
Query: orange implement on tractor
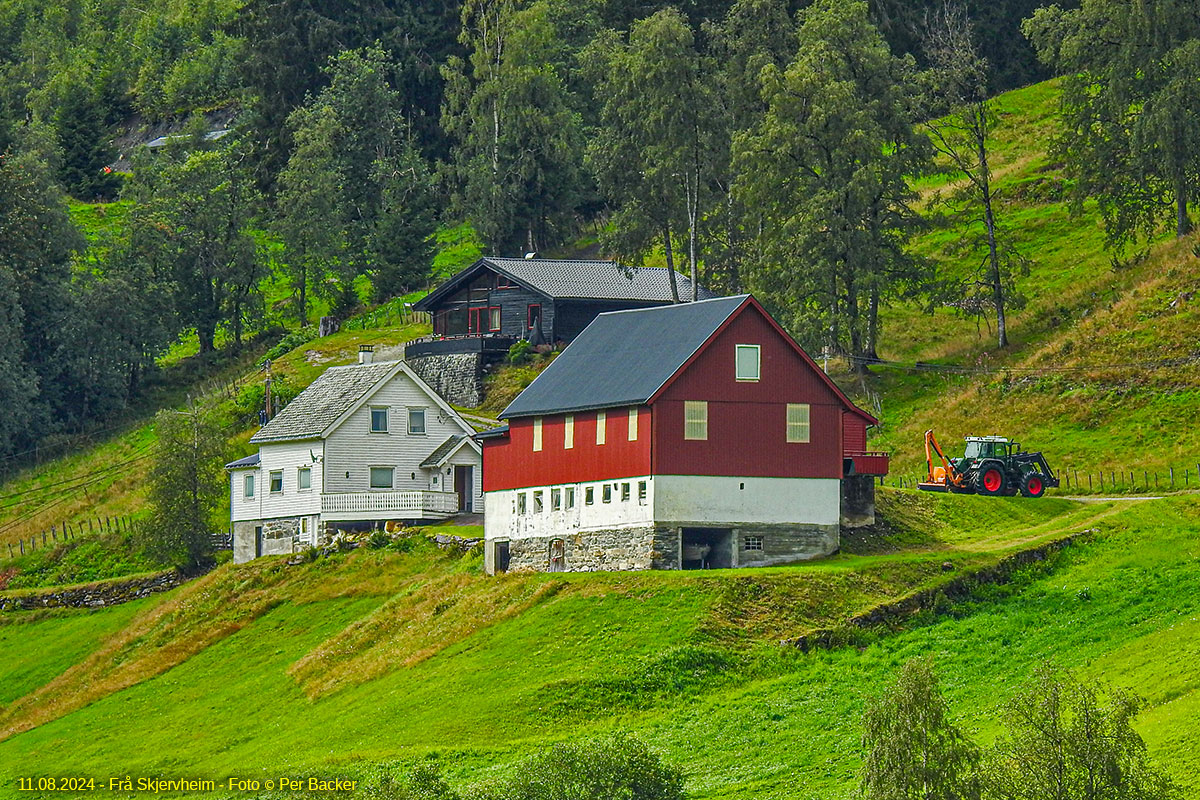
[991,465]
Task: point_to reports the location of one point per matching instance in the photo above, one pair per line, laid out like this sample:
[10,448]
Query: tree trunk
[670,262]
[872,352]
[994,276]
[303,293]
[1183,223]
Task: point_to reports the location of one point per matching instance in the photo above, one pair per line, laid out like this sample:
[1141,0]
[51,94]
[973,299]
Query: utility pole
[267,397]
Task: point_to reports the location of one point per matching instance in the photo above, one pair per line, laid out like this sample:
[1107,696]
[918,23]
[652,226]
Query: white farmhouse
[365,444]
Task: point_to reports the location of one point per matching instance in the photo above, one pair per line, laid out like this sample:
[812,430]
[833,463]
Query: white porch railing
[389,505]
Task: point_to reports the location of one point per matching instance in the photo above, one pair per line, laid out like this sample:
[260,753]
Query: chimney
[366,353]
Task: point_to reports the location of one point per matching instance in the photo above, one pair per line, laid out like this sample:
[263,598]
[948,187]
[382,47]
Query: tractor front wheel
[1032,485]
[991,479]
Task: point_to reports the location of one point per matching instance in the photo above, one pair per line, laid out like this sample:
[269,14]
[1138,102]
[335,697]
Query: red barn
[684,436]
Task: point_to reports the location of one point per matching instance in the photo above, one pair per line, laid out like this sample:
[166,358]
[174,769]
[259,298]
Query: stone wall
[658,548]
[605,550]
[457,377]
[97,595]
[279,536]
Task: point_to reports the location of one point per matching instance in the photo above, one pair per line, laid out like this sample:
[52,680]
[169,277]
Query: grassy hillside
[379,657]
[1083,378]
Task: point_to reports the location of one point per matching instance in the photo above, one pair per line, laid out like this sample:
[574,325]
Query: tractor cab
[979,447]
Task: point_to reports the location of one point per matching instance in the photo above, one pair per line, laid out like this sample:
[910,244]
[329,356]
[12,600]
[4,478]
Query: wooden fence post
[1172,477]
[10,550]
[22,542]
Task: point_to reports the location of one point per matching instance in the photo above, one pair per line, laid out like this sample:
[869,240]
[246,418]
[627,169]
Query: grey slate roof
[249,461]
[623,357]
[592,280]
[443,451]
[328,397]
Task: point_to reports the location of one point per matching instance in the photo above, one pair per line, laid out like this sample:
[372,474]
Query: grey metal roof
[249,461]
[492,433]
[443,451]
[328,397]
[591,280]
[623,357]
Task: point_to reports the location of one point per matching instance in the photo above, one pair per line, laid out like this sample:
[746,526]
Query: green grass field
[359,662]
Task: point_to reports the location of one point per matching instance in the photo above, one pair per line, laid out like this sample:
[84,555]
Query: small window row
[631,429]
[563,499]
[380,420]
[275,482]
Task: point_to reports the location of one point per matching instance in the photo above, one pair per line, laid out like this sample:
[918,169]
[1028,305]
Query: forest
[758,145]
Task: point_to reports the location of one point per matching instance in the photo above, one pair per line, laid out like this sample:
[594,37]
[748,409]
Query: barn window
[382,477]
[633,420]
[277,482]
[747,362]
[537,502]
[379,419]
[520,502]
[695,419]
[641,493]
[248,486]
[798,429]
[624,492]
[752,543]
[568,432]
[304,478]
[601,424]
[537,434]
[556,499]
[416,421]
[606,493]
[570,497]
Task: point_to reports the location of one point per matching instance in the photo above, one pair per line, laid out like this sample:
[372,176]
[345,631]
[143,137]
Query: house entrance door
[464,482]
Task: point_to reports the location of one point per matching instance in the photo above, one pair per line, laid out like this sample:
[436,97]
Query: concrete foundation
[858,501]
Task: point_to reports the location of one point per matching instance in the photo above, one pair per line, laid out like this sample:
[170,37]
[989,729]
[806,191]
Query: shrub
[378,540]
[596,769]
[519,352]
[290,342]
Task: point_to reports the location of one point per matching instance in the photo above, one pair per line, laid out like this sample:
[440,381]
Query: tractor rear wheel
[1032,485]
[991,479]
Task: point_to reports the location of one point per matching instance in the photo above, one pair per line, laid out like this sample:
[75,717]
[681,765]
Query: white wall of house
[352,449]
[287,458]
[722,500]
[242,507]
[670,500]
[502,518]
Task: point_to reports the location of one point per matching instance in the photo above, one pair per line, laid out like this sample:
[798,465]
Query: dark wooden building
[498,301]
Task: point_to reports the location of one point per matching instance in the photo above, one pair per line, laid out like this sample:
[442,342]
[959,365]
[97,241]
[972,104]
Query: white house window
[641,493]
[589,495]
[606,494]
[520,502]
[556,499]
[382,477]
[537,502]
[379,420]
[695,419]
[601,423]
[537,434]
[798,428]
[747,362]
[570,497]
[416,421]
[624,492]
[752,543]
[633,419]
[277,482]
[568,432]
[304,478]
[248,486]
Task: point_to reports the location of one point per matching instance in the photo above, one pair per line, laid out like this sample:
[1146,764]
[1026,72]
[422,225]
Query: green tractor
[991,465]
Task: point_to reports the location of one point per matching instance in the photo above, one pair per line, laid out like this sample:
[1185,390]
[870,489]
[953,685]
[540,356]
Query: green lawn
[443,663]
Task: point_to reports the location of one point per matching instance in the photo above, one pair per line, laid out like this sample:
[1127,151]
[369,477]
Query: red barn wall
[747,421]
[511,463]
[854,433]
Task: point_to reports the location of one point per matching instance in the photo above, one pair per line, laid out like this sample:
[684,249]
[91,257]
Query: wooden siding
[573,315]
[511,463]
[288,457]
[513,304]
[854,433]
[747,420]
[351,449]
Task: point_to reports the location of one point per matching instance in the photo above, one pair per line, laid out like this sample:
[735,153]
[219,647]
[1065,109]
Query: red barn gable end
[702,461]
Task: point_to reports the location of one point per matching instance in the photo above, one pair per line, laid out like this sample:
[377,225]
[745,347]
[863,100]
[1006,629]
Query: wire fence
[1098,481]
[66,531]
